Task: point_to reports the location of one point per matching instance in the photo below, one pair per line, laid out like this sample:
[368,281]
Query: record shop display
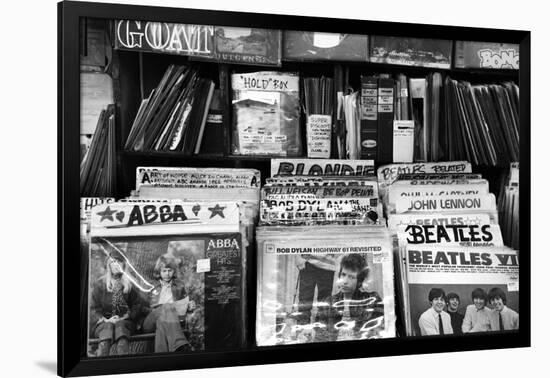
[457,276]
[251,193]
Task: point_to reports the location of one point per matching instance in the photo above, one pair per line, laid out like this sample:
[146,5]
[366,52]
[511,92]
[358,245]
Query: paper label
[513,286]
[369,92]
[383,100]
[318,135]
[387,108]
[197,177]
[403,141]
[203,265]
[265,81]
[388,173]
[324,167]
[443,203]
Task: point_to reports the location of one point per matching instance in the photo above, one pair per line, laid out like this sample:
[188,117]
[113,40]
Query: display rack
[131,66]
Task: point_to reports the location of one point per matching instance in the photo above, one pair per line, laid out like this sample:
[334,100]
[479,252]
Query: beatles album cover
[459,290]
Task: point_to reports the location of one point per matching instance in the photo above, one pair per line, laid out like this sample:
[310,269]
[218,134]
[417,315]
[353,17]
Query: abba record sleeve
[164,279]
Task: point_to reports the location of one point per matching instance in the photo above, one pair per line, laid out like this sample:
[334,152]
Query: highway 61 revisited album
[331,283]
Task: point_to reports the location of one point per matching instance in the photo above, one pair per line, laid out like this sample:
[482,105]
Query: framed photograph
[163,111]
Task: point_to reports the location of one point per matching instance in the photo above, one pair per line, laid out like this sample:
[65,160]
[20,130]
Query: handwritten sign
[88,203]
[265,81]
[122,219]
[389,173]
[444,203]
[403,141]
[474,235]
[321,167]
[401,221]
[197,177]
[318,135]
[180,39]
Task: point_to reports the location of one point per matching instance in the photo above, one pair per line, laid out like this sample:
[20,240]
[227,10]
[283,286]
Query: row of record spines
[508,209]
[482,122]
[317,95]
[493,116]
[385,99]
[98,168]
[172,117]
[449,124]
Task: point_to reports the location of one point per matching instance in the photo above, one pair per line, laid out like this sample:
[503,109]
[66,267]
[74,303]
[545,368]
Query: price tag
[513,286]
[203,265]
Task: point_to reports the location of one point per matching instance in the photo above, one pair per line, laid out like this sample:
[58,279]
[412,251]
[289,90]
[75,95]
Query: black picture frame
[70,361]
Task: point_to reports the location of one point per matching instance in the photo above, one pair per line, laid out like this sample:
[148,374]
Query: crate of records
[456,274]
[167,266]
[325,267]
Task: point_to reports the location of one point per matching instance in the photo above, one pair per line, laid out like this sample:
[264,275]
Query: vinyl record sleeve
[451,235]
[401,221]
[387,174]
[322,167]
[248,45]
[313,192]
[446,203]
[468,273]
[319,211]
[400,190]
[322,181]
[165,277]
[197,177]
[324,284]
[435,53]
[303,46]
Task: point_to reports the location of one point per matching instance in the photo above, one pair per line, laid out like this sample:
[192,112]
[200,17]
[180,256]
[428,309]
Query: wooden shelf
[180,156]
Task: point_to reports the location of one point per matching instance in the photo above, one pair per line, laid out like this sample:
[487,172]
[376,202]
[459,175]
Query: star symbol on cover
[216,210]
[106,214]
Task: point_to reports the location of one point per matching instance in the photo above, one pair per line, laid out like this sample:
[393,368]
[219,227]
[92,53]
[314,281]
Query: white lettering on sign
[499,59]
[157,36]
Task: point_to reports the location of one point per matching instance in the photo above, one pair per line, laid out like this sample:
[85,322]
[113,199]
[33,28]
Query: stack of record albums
[456,275]
[341,252]
[325,270]
[178,249]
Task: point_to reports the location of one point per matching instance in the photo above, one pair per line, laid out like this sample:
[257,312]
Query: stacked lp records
[509,207]
[204,184]
[174,115]
[325,267]
[482,122]
[86,205]
[168,265]
[456,274]
[98,168]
